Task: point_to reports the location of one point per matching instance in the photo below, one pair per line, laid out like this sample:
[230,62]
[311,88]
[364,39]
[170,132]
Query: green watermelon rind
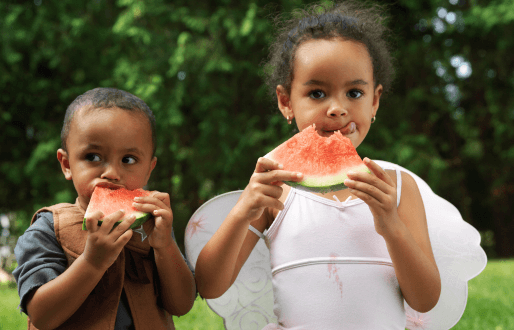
[335,182]
[141,218]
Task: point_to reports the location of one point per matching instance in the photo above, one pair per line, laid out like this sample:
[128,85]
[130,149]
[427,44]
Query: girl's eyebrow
[322,83]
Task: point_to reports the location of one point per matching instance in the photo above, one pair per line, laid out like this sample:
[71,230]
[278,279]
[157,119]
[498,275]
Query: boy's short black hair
[102,97]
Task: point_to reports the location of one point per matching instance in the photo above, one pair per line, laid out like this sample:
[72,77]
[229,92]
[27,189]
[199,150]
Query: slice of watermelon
[324,161]
[111,200]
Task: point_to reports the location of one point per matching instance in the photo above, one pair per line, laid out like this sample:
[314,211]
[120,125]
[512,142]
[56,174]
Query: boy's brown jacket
[134,270]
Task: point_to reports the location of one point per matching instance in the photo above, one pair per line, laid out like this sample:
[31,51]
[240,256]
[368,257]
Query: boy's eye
[129,160]
[355,93]
[317,94]
[93,157]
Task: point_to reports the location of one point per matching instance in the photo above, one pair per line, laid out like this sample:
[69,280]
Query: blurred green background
[197,64]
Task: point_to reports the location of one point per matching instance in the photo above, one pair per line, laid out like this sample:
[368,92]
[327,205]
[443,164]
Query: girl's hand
[104,244]
[263,190]
[158,204]
[379,192]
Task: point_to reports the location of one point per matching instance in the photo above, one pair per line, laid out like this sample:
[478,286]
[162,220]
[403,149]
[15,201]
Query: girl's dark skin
[333,86]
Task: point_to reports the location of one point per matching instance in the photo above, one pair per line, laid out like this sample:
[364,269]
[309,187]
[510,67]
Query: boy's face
[109,147]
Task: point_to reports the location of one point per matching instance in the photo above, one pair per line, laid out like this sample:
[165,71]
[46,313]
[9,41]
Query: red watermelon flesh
[324,161]
[111,200]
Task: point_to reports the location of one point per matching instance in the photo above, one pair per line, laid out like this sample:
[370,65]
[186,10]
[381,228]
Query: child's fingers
[265,164]
[154,210]
[110,220]
[278,175]
[125,224]
[123,239]
[163,197]
[274,203]
[92,221]
[378,171]
[149,200]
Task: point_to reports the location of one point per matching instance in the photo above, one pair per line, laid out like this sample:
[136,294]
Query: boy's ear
[152,166]
[284,102]
[63,158]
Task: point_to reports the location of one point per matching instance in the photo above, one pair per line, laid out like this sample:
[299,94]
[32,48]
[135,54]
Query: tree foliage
[197,65]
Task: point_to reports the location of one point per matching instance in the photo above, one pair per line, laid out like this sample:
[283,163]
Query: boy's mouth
[108,185]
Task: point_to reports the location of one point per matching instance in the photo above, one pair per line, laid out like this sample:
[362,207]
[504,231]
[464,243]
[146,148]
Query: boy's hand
[158,204]
[263,190]
[104,243]
[377,190]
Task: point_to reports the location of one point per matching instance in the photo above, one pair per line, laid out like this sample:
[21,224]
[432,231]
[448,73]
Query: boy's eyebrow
[128,150]
[322,83]
[134,150]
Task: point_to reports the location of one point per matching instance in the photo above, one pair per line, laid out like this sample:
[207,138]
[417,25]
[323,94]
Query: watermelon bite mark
[111,200]
[324,161]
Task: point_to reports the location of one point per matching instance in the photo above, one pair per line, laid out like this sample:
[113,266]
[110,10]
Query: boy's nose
[111,173]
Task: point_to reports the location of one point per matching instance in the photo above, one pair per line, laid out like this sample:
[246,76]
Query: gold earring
[373,119]
[289,120]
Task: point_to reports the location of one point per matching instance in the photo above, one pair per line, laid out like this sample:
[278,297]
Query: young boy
[102,279]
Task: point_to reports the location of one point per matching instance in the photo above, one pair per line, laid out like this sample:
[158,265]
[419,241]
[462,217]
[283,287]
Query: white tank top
[330,268]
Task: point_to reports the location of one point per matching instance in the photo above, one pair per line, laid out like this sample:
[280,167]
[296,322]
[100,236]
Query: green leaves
[197,65]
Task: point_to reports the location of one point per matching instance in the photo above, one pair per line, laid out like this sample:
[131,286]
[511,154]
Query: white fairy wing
[248,303]
[457,252]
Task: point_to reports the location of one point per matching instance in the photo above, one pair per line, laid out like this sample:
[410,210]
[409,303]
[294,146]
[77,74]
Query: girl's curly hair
[350,20]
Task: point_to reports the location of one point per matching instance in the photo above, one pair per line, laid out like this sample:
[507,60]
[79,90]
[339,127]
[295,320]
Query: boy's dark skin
[112,147]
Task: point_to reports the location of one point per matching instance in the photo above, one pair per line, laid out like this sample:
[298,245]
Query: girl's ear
[284,102]
[63,158]
[376,98]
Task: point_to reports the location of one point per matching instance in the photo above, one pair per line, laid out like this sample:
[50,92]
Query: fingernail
[299,174]
[351,173]
[366,159]
[137,198]
[347,181]
[122,211]
[280,166]
[135,204]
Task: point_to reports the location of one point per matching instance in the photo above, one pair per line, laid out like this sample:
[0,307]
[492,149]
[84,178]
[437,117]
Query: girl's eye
[129,160]
[93,157]
[355,93]
[317,94]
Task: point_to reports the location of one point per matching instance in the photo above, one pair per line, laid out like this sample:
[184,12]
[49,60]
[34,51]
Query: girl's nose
[337,110]
[111,173]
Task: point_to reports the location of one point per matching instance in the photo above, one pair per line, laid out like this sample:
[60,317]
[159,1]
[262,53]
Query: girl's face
[107,147]
[332,88]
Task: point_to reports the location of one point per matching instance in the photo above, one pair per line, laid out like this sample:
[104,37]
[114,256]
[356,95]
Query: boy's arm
[178,288]
[176,280]
[54,302]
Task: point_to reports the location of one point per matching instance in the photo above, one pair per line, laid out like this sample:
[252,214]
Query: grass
[490,304]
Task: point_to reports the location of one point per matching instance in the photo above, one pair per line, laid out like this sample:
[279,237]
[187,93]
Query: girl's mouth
[348,129]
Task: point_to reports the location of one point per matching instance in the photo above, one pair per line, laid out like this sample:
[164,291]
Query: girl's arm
[411,252]
[54,302]
[405,231]
[223,256]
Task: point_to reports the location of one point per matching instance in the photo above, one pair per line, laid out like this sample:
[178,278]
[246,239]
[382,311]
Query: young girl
[334,265]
